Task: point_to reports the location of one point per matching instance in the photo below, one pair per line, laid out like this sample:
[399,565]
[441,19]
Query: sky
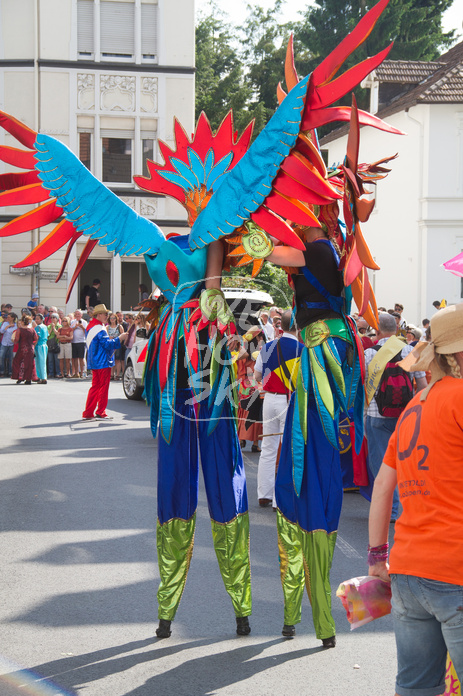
[236,10]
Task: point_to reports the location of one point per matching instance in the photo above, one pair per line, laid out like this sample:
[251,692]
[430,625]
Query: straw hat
[446,338]
[100,309]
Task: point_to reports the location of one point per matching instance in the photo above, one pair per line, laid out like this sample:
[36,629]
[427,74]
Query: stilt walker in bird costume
[245,203]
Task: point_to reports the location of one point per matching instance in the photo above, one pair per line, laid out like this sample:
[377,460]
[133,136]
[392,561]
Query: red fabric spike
[74,239]
[172,273]
[32,193]
[166,151]
[191,345]
[364,208]
[291,208]
[243,143]
[303,171]
[19,158]
[57,238]
[307,148]
[331,64]
[39,217]
[292,188]
[353,139]
[25,135]
[166,349]
[277,227]
[281,94]
[328,93]
[291,77]
[88,248]
[159,332]
[352,267]
[319,117]
[195,316]
[15,180]
[203,130]
[181,138]
[224,138]
[142,357]
[365,290]
[352,180]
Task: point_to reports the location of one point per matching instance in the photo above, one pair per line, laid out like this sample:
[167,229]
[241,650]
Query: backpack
[395,389]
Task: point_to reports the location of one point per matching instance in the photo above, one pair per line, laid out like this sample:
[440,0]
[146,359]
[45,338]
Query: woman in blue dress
[41,349]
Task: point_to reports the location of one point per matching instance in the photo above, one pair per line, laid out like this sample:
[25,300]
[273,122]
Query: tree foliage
[240,67]
[271,279]
[221,83]
[415,27]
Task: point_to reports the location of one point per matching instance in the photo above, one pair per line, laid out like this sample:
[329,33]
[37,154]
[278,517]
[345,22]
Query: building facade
[417,223]
[107,78]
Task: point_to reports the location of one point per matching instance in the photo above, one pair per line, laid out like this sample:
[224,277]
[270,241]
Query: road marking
[346,548]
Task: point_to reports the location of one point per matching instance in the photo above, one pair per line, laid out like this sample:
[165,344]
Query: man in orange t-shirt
[425,459]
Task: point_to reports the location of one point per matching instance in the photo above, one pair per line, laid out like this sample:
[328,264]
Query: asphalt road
[79,576]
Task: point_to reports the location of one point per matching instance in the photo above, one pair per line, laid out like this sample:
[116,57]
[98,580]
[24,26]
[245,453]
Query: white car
[132,379]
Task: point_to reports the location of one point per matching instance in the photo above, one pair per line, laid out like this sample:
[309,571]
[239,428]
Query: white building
[107,77]
[417,223]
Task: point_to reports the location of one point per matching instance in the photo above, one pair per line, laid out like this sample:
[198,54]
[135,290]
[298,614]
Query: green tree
[264,46]
[220,80]
[415,26]
[271,279]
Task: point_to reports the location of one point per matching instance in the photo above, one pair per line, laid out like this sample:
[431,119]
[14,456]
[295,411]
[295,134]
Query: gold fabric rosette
[314,334]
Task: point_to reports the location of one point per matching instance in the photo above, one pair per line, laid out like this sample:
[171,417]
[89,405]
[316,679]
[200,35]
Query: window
[117,21]
[117,160]
[149,32]
[85,152]
[85,28]
[108,30]
[147,153]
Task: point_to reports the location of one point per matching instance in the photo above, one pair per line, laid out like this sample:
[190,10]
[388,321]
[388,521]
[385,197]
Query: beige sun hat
[447,329]
[101,309]
[446,338]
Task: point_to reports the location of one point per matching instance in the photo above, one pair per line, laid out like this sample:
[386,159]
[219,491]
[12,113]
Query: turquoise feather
[297,447]
[218,171]
[187,173]
[196,165]
[325,418]
[93,209]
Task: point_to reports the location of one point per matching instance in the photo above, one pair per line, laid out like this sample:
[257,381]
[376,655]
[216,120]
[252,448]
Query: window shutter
[149,31]
[117,28]
[85,42]
[117,133]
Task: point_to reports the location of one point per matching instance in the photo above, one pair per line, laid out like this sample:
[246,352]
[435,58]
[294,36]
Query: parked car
[242,303]
[132,378]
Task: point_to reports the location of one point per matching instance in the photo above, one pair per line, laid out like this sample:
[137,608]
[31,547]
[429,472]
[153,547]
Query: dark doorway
[133,273]
[96,268]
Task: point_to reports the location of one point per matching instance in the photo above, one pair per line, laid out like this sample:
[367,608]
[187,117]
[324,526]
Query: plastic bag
[365,598]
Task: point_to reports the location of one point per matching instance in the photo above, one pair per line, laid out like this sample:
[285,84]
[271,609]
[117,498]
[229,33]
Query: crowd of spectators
[59,347]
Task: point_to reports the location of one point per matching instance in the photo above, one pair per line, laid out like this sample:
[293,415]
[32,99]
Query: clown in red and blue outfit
[100,360]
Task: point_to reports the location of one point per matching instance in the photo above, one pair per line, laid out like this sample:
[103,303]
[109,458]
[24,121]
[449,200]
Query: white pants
[273,421]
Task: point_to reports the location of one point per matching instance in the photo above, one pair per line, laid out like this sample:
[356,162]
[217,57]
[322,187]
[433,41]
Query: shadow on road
[200,675]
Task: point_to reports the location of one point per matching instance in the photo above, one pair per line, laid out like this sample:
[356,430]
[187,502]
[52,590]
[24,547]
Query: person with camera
[78,345]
